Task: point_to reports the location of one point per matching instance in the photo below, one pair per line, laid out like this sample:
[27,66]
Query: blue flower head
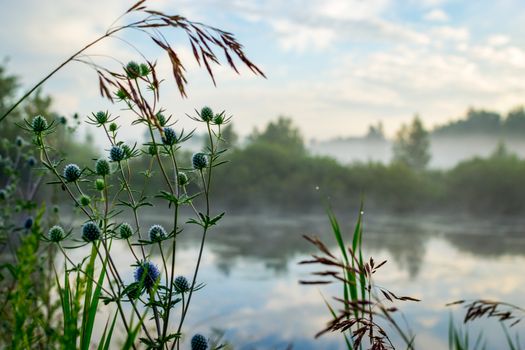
[117,154]
[199,342]
[31,161]
[181,284]
[199,161]
[157,233]
[28,223]
[71,172]
[170,138]
[102,167]
[147,274]
[90,232]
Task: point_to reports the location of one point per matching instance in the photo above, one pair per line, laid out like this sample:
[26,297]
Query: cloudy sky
[335,66]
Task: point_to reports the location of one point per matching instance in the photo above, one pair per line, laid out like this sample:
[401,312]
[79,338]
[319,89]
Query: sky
[334,66]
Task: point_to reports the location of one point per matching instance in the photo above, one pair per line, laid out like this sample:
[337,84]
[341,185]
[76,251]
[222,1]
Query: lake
[251,271]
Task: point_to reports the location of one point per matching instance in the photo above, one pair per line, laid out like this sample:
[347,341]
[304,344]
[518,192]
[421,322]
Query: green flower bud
[84,200]
[56,234]
[39,124]
[102,167]
[206,114]
[113,127]
[183,179]
[132,70]
[100,184]
[125,231]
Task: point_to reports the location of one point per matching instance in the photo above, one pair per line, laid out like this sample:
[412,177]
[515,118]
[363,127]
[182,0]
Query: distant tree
[411,146]
[375,132]
[476,122]
[514,123]
[281,132]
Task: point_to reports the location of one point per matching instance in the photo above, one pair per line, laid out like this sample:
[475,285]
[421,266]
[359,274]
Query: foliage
[412,145]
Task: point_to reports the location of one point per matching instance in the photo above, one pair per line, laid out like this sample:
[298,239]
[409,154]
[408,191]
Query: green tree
[282,133]
[412,145]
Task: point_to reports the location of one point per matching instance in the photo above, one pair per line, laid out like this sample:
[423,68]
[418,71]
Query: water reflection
[251,272]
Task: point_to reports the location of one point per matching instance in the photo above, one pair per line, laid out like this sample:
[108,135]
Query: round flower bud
[116,154]
[125,231]
[101,117]
[71,172]
[19,141]
[3,195]
[28,223]
[181,284]
[206,114]
[183,179]
[122,94]
[148,274]
[133,70]
[63,120]
[199,342]
[152,150]
[219,119]
[199,161]
[102,167]
[113,127]
[156,233]
[100,184]
[84,200]
[144,69]
[56,209]
[56,234]
[31,161]
[170,138]
[161,118]
[90,232]
[39,124]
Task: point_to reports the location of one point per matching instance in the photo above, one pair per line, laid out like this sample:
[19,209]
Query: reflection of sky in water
[251,272]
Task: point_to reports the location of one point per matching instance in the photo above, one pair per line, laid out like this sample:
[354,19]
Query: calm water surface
[251,273]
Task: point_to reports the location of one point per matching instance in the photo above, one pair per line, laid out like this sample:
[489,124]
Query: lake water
[251,270]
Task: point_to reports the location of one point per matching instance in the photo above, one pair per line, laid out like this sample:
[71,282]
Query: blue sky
[335,66]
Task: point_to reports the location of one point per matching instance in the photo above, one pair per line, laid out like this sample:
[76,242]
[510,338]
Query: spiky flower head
[206,114]
[116,153]
[170,138]
[199,161]
[113,127]
[71,172]
[125,231]
[144,69]
[147,274]
[31,161]
[102,117]
[84,200]
[28,223]
[90,232]
[56,234]
[152,150]
[100,184]
[218,119]
[102,167]
[199,342]
[181,284]
[19,141]
[122,94]
[183,179]
[133,70]
[39,124]
[161,118]
[156,233]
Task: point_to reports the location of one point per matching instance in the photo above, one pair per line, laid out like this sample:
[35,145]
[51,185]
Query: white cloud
[436,15]
[498,40]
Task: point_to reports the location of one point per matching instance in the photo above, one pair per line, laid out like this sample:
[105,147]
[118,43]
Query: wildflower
[206,114]
[144,69]
[181,284]
[39,124]
[85,200]
[127,151]
[19,141]
[219,119]
[156,233]
[28,223]
[101,117]
[199,342]
[125,231]
[102,167]
[3,195]
[113,127]
[199,161]
[100,184]
[183,179]
[152,150]
[31,161]
[71,172]
[161,118]
[147,274]
[170,138]
[56,234]
[132,70]
[116,154]
[90,232]
[122,94]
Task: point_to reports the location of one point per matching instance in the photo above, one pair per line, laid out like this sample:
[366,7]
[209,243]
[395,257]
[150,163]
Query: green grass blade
[508,338]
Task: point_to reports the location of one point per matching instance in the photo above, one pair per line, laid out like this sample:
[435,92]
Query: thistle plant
[111,186]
